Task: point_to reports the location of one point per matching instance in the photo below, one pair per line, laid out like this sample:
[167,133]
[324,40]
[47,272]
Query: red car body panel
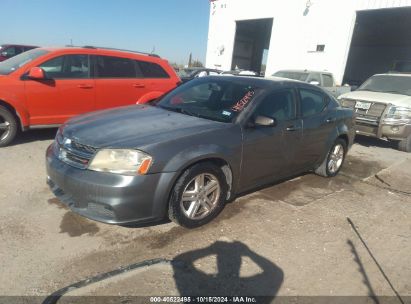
[42,103]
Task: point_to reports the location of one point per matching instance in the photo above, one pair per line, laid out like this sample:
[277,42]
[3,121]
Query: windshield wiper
[179,110]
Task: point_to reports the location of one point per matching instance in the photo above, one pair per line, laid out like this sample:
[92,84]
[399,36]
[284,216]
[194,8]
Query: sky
[174,28]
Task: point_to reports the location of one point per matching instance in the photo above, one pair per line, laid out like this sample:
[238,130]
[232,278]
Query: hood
[135,127]
[387,98]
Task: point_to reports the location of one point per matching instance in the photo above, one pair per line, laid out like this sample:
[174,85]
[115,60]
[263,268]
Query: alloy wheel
[336,158]
[4,128]
[200,196]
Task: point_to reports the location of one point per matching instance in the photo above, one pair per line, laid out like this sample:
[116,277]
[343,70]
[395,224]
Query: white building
[351,38]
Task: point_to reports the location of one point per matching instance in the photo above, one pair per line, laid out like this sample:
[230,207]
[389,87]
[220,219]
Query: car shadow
[367,141]
[227,279]
[34,135]
[233,276]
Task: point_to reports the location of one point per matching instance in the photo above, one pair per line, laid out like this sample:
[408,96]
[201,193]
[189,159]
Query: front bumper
[391,130]
[109,198]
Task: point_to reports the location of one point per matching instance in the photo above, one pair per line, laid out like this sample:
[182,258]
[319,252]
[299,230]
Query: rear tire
[334,160]
[205,189]
[405,144]
[8,127]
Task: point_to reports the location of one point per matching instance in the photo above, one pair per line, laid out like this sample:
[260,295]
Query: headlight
[399,113]
[120,161]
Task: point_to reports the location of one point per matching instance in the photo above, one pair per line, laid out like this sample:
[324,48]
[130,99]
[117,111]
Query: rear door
[268,152]
[116,82]
[317,121]
[67,92]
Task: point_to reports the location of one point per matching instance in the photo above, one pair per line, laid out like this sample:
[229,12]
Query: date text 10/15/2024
[200,299]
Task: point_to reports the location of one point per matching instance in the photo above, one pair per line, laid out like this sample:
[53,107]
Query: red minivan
[44,87]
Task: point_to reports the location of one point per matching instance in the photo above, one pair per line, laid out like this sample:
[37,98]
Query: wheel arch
[344,137]
[14,111]
[150,97]
[222,163]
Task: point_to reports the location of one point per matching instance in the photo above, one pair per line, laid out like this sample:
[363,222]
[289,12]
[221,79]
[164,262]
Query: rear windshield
[388,84]
[301,76]
[10,65]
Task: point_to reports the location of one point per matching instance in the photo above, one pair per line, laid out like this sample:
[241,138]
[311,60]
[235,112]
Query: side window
[312,102]
[314,77]
[53,67]
[279,105]
[67,67]
[152,70]
[11,51]
[19,50]
[115,67]
[212,73]
[328,80]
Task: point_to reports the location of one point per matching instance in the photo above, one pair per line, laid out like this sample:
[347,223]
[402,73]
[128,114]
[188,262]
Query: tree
[197,64]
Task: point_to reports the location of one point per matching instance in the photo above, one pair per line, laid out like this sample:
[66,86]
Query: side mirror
[265,121]
[36,73]
[315,82]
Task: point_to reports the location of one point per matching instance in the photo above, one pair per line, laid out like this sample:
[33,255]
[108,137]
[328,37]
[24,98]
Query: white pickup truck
[383,108]
[324,80]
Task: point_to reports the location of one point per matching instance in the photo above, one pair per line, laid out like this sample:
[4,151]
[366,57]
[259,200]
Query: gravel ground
[291,238]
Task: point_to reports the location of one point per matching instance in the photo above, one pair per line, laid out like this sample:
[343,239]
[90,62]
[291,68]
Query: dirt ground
[290,239]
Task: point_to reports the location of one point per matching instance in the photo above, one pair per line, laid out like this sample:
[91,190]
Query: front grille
[374,112]
[83,148]
[74,153]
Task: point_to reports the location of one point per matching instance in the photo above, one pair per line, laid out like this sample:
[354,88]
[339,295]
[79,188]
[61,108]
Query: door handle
[85,86]
[293,128]
[330,120]
[139,85]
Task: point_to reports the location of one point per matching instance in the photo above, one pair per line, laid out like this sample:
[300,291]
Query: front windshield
[388,84]
[10,65]
[301,76]
[219,100]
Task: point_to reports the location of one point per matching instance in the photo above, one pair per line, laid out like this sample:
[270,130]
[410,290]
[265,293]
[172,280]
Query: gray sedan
[201,145]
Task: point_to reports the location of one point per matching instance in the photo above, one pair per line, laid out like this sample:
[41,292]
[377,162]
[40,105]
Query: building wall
[295,32]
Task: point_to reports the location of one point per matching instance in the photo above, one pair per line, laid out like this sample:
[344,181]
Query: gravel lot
[292,238]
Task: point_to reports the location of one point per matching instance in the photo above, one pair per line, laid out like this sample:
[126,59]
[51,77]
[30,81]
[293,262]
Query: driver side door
[67,91]
[268,152]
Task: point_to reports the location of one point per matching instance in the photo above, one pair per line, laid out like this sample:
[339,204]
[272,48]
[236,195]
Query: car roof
[394,74]
[266,82]
[305,71]
[20,45]
[98,50]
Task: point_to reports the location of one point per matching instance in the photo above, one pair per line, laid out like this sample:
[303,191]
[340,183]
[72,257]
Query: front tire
[8,127]
[198,196]
[405,144]
[334,160]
